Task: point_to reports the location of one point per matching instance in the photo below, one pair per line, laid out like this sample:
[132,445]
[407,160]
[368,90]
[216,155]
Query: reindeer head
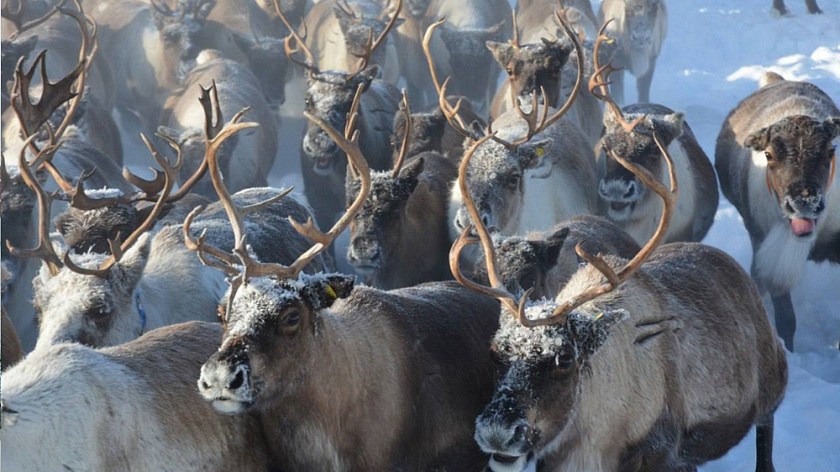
[544,346]
[376,229]
[531,67]
[272,313]
[417,8]
[359,29]
[496,180]
[329,96]
[640,17]
[180,31]
[799,153]
[18,203]
[267,59]
[425,132]
[619,188]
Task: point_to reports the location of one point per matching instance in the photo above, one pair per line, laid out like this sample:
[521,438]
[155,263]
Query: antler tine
[372,45]
[346,8]
[614,279]
[310,64]
[222,261]
[496,289]
[599,82]
[450,112]
[406,111]
[538,121]
[44,250]
[350,124]
[515,41]
[209,100]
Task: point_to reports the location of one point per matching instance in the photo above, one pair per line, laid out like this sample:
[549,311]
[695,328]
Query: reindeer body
[639,28]
[636,210]
[128,407]
[554,178]
[247,161]
[803,119]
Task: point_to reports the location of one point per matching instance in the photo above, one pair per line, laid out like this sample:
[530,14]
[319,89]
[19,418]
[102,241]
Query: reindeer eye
[97,312]
[292,319]
[768,155]
[509,71]
[564,360]
[308,101]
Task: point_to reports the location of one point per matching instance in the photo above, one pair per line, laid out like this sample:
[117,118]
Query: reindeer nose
[364,250]
[631,189]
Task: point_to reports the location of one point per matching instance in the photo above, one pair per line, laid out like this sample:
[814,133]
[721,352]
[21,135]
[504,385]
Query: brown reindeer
[606,378]
[776,158]
[325,365]
[428,132]
[543,262]
[631,132]
[398,238]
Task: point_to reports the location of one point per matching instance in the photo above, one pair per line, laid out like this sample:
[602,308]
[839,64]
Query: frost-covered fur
[632,206]
[246,160]
[133,407]
[639,344]
[798,126]
[639,28]
[160,275]
[549,179]
[326,368]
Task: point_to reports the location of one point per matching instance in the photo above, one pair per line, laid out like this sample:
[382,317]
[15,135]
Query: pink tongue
[802,226]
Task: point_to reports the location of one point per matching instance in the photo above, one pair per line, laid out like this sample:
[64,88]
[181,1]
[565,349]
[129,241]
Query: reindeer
[428,132]
[543,262]
[639,27]
[12,352]
[534,158]
[537,59]
[148,280]
[354,24]
[132,406]
[776,156]
[780,8]
[289,337]
[247,160]
[631,132]
[329,95]
[605,377]
[403,223]
[150,47]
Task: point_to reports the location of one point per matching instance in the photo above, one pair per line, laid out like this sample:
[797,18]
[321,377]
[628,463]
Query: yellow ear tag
[599,316]
[331,293]
[540,152]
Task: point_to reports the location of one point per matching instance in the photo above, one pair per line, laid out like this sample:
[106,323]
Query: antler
[598,83]
[406,111]
[44,250]
[497,288]
[310,64]
[252,268]
[515,40]
[616,278]
[371,46]
[16,17]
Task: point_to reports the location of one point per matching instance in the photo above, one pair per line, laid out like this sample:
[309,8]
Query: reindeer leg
[643,83]
[785,319]
[813,8]
[779,6]
[617,87]
[764,445]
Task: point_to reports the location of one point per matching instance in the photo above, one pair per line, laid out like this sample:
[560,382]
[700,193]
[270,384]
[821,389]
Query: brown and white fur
[667,372]
[401,236]
[628,203]
[131,407]
[774,158]
[347,379]
[247,158]
[158,282]
[545,261]
[639,28]
[549,179]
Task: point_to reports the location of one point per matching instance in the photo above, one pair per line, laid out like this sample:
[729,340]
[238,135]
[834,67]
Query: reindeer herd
[529,290]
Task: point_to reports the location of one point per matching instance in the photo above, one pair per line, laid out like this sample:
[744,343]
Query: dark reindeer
[325,365]
[605,377]
[399,237]
[776,158]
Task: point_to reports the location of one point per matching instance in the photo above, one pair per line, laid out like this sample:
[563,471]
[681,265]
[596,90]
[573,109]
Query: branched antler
[310,64]
[371,45]
[406,111]
[599,82]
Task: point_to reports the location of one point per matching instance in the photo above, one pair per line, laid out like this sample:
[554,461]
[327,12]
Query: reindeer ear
[331,288]
[549,250]
[833,126]
[533,154]
[759,140]
[160,19]
[590,332]
[502,52]
[132,264]
[345,21]
[410,174]
[368,75]
[205,9]
[670,127]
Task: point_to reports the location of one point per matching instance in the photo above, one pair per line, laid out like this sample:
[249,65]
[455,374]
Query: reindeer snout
[805,201]
[318,145]
[462,219]
[365,253]
[227,386]
[507,442]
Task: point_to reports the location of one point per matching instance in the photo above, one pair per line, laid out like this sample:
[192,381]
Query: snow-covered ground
[715,53]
